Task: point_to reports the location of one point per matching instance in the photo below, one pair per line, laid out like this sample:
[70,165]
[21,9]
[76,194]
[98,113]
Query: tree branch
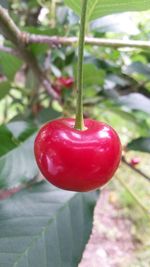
[8,27]
[134,196]
[9,50]
[12,32]
[135,169]
[57,40]
[22,39]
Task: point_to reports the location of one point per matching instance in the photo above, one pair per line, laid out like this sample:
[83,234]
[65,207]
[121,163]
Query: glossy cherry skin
[77,160]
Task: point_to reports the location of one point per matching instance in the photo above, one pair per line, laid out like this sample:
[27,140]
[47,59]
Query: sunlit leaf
[99,8]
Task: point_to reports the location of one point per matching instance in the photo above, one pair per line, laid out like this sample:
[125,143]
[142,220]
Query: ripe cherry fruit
[134,161]
[77,160]
[65,81]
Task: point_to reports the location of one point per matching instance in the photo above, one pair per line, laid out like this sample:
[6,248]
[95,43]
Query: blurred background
[116,91]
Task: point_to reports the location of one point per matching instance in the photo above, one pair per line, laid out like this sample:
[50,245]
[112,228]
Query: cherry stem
[79,122]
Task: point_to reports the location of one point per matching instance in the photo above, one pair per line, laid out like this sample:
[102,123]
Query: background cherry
[77,160]
[66,82]
[135,161]
[62,83]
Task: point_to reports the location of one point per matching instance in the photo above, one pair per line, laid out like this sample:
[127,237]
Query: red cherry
[77,160]
[134,161]
[66,81]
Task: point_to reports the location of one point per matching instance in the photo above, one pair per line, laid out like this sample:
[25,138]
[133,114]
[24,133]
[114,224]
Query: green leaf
[17,164]
[99,8]
[140,144]
[56,71]
[38,49]
[12,134]
[138,67]
[21,129]
[128,124]
[4,89]
[32,4]
[9,64]
[48,114]
[7,140]
[92,75]
[135,101]
[135,118]
[45,226]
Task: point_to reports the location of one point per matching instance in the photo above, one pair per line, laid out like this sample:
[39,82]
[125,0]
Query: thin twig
[58,40]
[9,50]
[134,196]
[65,41]
[18,38]
[22,39]
[135,169]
